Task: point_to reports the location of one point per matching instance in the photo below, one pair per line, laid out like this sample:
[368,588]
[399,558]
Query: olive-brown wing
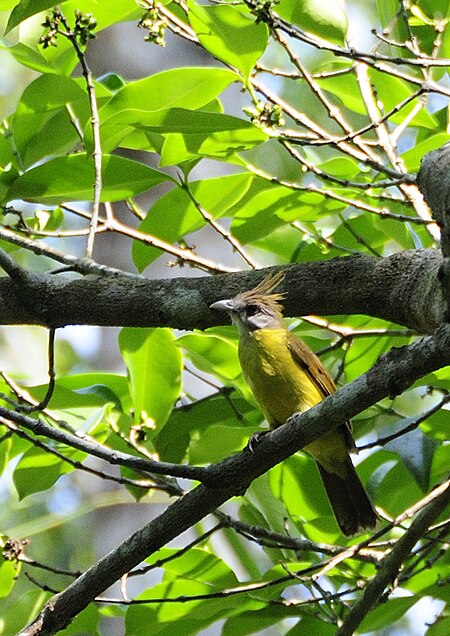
[310,363]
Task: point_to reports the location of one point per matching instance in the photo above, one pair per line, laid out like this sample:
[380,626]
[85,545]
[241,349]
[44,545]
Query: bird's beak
[223,305]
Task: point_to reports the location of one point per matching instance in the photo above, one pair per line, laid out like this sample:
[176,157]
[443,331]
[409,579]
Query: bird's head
[257,308]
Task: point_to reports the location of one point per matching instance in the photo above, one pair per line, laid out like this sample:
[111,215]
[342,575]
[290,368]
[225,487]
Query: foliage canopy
[295,140]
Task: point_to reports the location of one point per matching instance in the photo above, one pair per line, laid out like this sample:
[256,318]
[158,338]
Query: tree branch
[400,288]
[392,374]
[392,563]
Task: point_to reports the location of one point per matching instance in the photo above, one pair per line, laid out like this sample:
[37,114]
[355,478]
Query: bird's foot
[254,440]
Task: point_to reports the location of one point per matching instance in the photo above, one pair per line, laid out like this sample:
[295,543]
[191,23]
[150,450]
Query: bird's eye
[251,310]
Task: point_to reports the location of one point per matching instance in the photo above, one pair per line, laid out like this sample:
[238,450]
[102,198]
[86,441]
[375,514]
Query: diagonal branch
[390,375]
[390,566]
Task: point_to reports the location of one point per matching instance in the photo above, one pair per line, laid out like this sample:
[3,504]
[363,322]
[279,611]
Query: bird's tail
[349,500]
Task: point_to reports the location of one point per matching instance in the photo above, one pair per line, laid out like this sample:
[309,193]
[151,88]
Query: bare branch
[437,501]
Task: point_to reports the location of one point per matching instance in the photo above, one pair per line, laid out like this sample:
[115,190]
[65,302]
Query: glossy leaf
[193,420]
[104,12]
[216,443]
[260,620]
[207,567]
[38,470]
[387,613]
[25,9]
[216,196]
[230,33]
[9,571]
[154,365]
[326,20]
[223,144]
[71,179]
[188,88]
[391,91]
[62,58]
[201,132]
[41,125]
[52,60]
[212,354]
[18,612]
[413,157]
[440,627]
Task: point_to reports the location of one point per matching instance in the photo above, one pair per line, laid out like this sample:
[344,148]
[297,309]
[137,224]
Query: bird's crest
[262,295]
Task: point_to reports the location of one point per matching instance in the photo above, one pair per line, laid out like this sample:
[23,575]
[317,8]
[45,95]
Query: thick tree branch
[392,374]
[402,288]
[433,179]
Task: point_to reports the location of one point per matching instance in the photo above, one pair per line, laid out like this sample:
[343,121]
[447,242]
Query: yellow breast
[279,385]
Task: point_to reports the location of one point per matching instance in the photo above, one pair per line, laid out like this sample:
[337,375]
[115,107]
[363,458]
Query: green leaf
[436,426]
[265,207]
[297,483]
[344,86]
[416,451]
[387,613]
[154,364]
[5,448]
[71,178]
[325,19]
[188,88]
[341,167]
[104,12]
[62,58]
[229,33]
[194,419]
[194,572]
[390,92]
[220,145]
[9,572]
[217,442]
[109,387]
[386,472]
[86,622]
[413,157]
[312,625]
[387,10]
[25,9]
[38,470]
[214,195]
[441,627]
[201,133]
[41,125]
[261,495]
[212,354]
[18,612]
[196,564]
[112,81]
[257,621]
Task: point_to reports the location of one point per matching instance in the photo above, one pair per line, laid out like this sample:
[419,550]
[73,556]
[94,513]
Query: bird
[286,377]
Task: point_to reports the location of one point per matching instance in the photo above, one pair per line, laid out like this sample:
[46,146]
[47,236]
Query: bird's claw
[254,440]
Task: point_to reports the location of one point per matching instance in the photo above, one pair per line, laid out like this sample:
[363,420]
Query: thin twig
[76,465]
[411,191]
[113,457]
[95,123]
[388,570]
[207,216]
